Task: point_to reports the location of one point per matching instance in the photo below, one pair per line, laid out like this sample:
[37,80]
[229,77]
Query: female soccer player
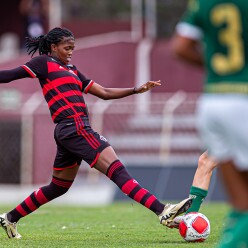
[62,85]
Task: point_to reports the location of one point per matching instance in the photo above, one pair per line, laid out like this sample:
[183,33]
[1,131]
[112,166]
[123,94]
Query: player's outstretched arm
[7,76]
[116,93]
[187,49]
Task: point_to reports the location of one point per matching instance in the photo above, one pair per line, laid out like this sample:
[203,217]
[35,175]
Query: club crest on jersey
[103,138]
[71,71]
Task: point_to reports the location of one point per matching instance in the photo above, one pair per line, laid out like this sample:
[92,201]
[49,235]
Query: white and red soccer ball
[194,227]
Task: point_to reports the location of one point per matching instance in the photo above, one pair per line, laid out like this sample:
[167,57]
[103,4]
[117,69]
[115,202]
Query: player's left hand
[147,86]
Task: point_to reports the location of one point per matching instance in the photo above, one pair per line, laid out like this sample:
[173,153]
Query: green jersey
[223,28]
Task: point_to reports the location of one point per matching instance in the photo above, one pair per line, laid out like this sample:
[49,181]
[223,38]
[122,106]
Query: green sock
[197,195]
[235,232]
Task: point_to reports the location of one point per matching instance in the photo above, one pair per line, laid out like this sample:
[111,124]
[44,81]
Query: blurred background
[119,43]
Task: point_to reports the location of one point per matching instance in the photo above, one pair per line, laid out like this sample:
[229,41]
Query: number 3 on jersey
[230,37]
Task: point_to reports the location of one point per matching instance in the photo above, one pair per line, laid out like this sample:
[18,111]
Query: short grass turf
[121,224]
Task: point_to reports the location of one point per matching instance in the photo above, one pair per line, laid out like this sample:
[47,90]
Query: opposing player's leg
[109,164]
[235,233]
[201,181]
[200,185]
[236,185]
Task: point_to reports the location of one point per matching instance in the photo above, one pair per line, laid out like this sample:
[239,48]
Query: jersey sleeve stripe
[88,86]
[33,75]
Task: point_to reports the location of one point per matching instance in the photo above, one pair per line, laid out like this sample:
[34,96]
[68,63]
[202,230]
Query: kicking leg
[109,164]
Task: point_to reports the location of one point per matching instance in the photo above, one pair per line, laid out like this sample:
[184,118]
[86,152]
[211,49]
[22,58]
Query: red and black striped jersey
[62,86]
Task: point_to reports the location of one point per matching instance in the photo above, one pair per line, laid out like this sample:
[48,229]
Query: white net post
[151,18]
[55,14]
[27,136]
[143,75]
[136,19]
[167,121]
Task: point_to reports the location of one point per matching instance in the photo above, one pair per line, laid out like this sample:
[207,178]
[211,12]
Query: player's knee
[206,163]
[56,188]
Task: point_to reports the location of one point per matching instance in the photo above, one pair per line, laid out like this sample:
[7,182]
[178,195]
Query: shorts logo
[102,138]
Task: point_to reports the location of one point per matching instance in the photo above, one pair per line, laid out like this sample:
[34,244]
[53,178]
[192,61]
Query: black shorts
[76,141]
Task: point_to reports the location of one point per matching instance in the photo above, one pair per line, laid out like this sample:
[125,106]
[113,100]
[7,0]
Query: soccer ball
[194,227]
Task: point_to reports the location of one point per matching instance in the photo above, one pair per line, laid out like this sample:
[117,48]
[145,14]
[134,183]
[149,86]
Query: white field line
[143,74]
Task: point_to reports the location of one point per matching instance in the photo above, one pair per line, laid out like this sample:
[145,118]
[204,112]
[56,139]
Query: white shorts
[222,121]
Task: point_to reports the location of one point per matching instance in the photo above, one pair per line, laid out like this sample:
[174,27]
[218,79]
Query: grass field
[123,224]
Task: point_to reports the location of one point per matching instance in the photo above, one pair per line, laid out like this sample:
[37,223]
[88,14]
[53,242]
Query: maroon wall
[82,28]
[11,20]
[110,65]
[176,75]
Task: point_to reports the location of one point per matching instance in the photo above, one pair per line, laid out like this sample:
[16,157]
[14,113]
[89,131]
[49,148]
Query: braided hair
[43,42]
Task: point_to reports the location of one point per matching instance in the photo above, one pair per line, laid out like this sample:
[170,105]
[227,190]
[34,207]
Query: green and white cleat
[9,228]
[173,210]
